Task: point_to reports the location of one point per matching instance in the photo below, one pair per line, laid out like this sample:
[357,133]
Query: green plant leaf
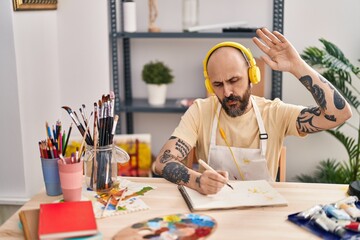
[156,72]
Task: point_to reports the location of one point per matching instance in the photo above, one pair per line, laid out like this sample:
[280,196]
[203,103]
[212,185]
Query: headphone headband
[254,72]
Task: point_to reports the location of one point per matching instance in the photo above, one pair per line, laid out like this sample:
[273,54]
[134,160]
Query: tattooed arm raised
[170,164]
[332,109]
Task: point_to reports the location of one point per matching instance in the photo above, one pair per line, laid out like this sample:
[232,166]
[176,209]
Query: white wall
[12,168]
[55,58]
[83,53]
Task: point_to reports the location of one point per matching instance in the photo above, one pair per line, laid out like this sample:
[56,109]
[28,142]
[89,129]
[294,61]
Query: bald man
[241,135]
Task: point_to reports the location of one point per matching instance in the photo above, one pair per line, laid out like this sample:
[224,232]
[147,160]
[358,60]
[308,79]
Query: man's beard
[237,109]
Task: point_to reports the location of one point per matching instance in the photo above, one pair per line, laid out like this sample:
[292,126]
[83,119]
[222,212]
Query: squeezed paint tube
[336,213]
[353,211]
[327,224]
[353,226]
[347,200]
[308,213]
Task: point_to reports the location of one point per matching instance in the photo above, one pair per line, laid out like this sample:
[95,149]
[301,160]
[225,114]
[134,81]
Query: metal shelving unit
[130,105]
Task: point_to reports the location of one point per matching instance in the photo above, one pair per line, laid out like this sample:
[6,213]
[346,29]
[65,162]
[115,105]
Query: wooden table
[251,223]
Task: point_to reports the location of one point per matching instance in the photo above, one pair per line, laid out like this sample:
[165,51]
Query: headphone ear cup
[254,74]
[208,86]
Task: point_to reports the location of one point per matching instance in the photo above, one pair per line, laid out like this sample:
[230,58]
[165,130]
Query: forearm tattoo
[316,91]
[339,101]
[305,120]
[176,172]
[167,156]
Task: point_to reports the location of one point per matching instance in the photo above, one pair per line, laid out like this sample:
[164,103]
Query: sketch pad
[256,193]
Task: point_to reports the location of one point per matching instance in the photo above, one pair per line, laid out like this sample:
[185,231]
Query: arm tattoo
[305,118]
[182,147]
[316,91]
[330,117]
[176,172]
[339,101]
[167,156]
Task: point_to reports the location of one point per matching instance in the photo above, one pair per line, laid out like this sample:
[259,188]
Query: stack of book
[73,220]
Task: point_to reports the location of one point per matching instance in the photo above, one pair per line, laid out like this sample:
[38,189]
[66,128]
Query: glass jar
[100,168]
[190,13]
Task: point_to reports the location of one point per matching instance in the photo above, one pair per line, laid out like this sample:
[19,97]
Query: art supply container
[129,8]
[71,179]
[190,13]
[51,176]
[101,166]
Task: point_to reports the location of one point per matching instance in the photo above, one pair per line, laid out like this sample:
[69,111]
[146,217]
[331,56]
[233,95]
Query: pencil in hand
[206,166]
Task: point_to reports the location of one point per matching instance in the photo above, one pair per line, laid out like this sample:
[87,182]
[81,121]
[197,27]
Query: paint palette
[176,226]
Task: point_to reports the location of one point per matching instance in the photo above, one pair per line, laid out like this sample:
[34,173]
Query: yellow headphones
[253,71]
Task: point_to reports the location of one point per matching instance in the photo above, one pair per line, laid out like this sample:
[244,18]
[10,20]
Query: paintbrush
[82,144]
[67,140]
[105,118]
[101,122]
[95,137]
[106,206]
[111,116]
[109,119]
[116,119]
[78,125]
[83,115]
[121,197]
[206,166]
[87,132]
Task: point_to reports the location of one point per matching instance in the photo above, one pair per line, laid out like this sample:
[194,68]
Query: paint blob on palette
[175,226]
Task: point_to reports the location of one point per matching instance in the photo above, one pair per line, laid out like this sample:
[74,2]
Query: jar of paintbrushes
[100,155]
[100,166]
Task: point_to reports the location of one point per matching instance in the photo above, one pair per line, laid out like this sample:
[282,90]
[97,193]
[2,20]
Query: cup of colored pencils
[51,149]
[100,155]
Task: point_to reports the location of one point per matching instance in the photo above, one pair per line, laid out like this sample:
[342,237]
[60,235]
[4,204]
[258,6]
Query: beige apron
[251,161]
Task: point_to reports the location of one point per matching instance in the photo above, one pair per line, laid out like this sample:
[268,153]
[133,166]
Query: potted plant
[334,66]
[157,75]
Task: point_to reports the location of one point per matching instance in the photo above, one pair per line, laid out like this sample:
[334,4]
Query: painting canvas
[138,146]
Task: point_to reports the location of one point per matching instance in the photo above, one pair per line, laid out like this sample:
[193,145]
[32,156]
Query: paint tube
[330,210]
[353,226]
[347,200]
[308,213]
[327,224]
[353,211]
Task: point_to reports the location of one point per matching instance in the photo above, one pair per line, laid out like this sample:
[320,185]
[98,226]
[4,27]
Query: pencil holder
[100,166]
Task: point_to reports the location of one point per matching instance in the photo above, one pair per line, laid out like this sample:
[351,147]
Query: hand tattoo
[197,180]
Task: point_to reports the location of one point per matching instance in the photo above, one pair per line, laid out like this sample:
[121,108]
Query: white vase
[157,94]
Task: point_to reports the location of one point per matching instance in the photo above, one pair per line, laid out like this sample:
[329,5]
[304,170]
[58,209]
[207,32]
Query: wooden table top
[250,223]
